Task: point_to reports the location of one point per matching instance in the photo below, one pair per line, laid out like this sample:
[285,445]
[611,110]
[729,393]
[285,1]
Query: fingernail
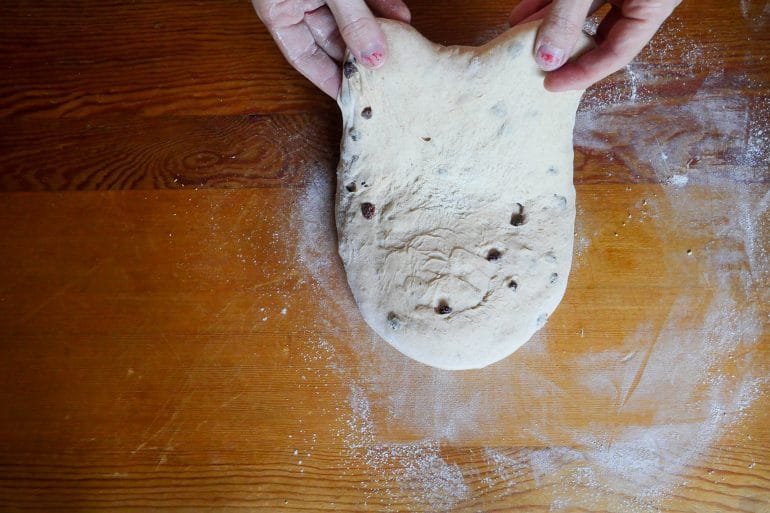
[374,57]
[549,57]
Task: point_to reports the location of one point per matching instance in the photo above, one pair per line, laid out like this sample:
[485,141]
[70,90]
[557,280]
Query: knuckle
[297,56]
[279,13]
[560,23]
[355,29]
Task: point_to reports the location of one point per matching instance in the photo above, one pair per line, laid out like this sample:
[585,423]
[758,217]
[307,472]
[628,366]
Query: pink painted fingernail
[549,57]
[374,57]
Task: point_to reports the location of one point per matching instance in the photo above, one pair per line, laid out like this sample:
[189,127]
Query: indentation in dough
[514,49]
[354,133]
[513,285]
[474,66]
[366,113]
[499,110]
[393,321]
[518,218]
[554,277]
[550,257]
[426,139]
[552,170]
[493,255]
[348,164]
[351,187]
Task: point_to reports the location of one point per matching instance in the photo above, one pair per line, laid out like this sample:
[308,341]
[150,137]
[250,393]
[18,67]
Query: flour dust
[688,374]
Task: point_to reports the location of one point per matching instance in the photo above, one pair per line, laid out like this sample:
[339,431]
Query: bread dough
[455,206]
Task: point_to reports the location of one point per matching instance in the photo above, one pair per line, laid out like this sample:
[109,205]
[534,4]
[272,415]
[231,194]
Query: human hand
[621,35]
[312,34]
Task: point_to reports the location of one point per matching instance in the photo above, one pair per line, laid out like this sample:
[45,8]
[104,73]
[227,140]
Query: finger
[300,49]
[392,9]
[559,32]
[360,31]
[324,30]
[623,39]
[525,9]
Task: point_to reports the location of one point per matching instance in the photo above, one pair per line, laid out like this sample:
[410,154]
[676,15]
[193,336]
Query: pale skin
[313,34]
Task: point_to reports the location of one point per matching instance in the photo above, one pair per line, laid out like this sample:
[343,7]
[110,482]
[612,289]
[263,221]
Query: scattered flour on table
[704,140]
[756,12]
[413,470]
[316,244]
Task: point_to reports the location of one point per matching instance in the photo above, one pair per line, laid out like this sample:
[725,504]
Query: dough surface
[455,206]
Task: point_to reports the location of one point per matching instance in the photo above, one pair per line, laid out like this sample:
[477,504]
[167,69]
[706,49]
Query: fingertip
[549,57]
[374,55]
[375,52]
[366,40]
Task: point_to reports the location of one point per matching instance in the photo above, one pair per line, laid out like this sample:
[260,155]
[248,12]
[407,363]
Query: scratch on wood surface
[274,281]
[231,400]
[158,431]
[639,373]
[151,424]
[183,390]
[59,292]
[161,461]
[173,350]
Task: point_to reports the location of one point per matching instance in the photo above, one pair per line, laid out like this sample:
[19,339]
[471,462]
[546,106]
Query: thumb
[559,32]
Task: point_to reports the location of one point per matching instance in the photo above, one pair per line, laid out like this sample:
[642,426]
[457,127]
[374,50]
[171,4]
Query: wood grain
[138,373]
[178,333]
[277,150]
[166,153]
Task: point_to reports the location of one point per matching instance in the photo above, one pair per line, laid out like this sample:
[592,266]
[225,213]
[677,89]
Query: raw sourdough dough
[455,205]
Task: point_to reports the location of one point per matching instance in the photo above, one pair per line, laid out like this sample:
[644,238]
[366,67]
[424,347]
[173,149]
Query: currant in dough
[455,207]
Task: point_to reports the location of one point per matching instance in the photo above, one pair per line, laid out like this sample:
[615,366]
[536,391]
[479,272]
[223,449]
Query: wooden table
[177,334]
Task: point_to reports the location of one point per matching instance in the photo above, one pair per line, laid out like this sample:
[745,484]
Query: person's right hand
[312,34]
